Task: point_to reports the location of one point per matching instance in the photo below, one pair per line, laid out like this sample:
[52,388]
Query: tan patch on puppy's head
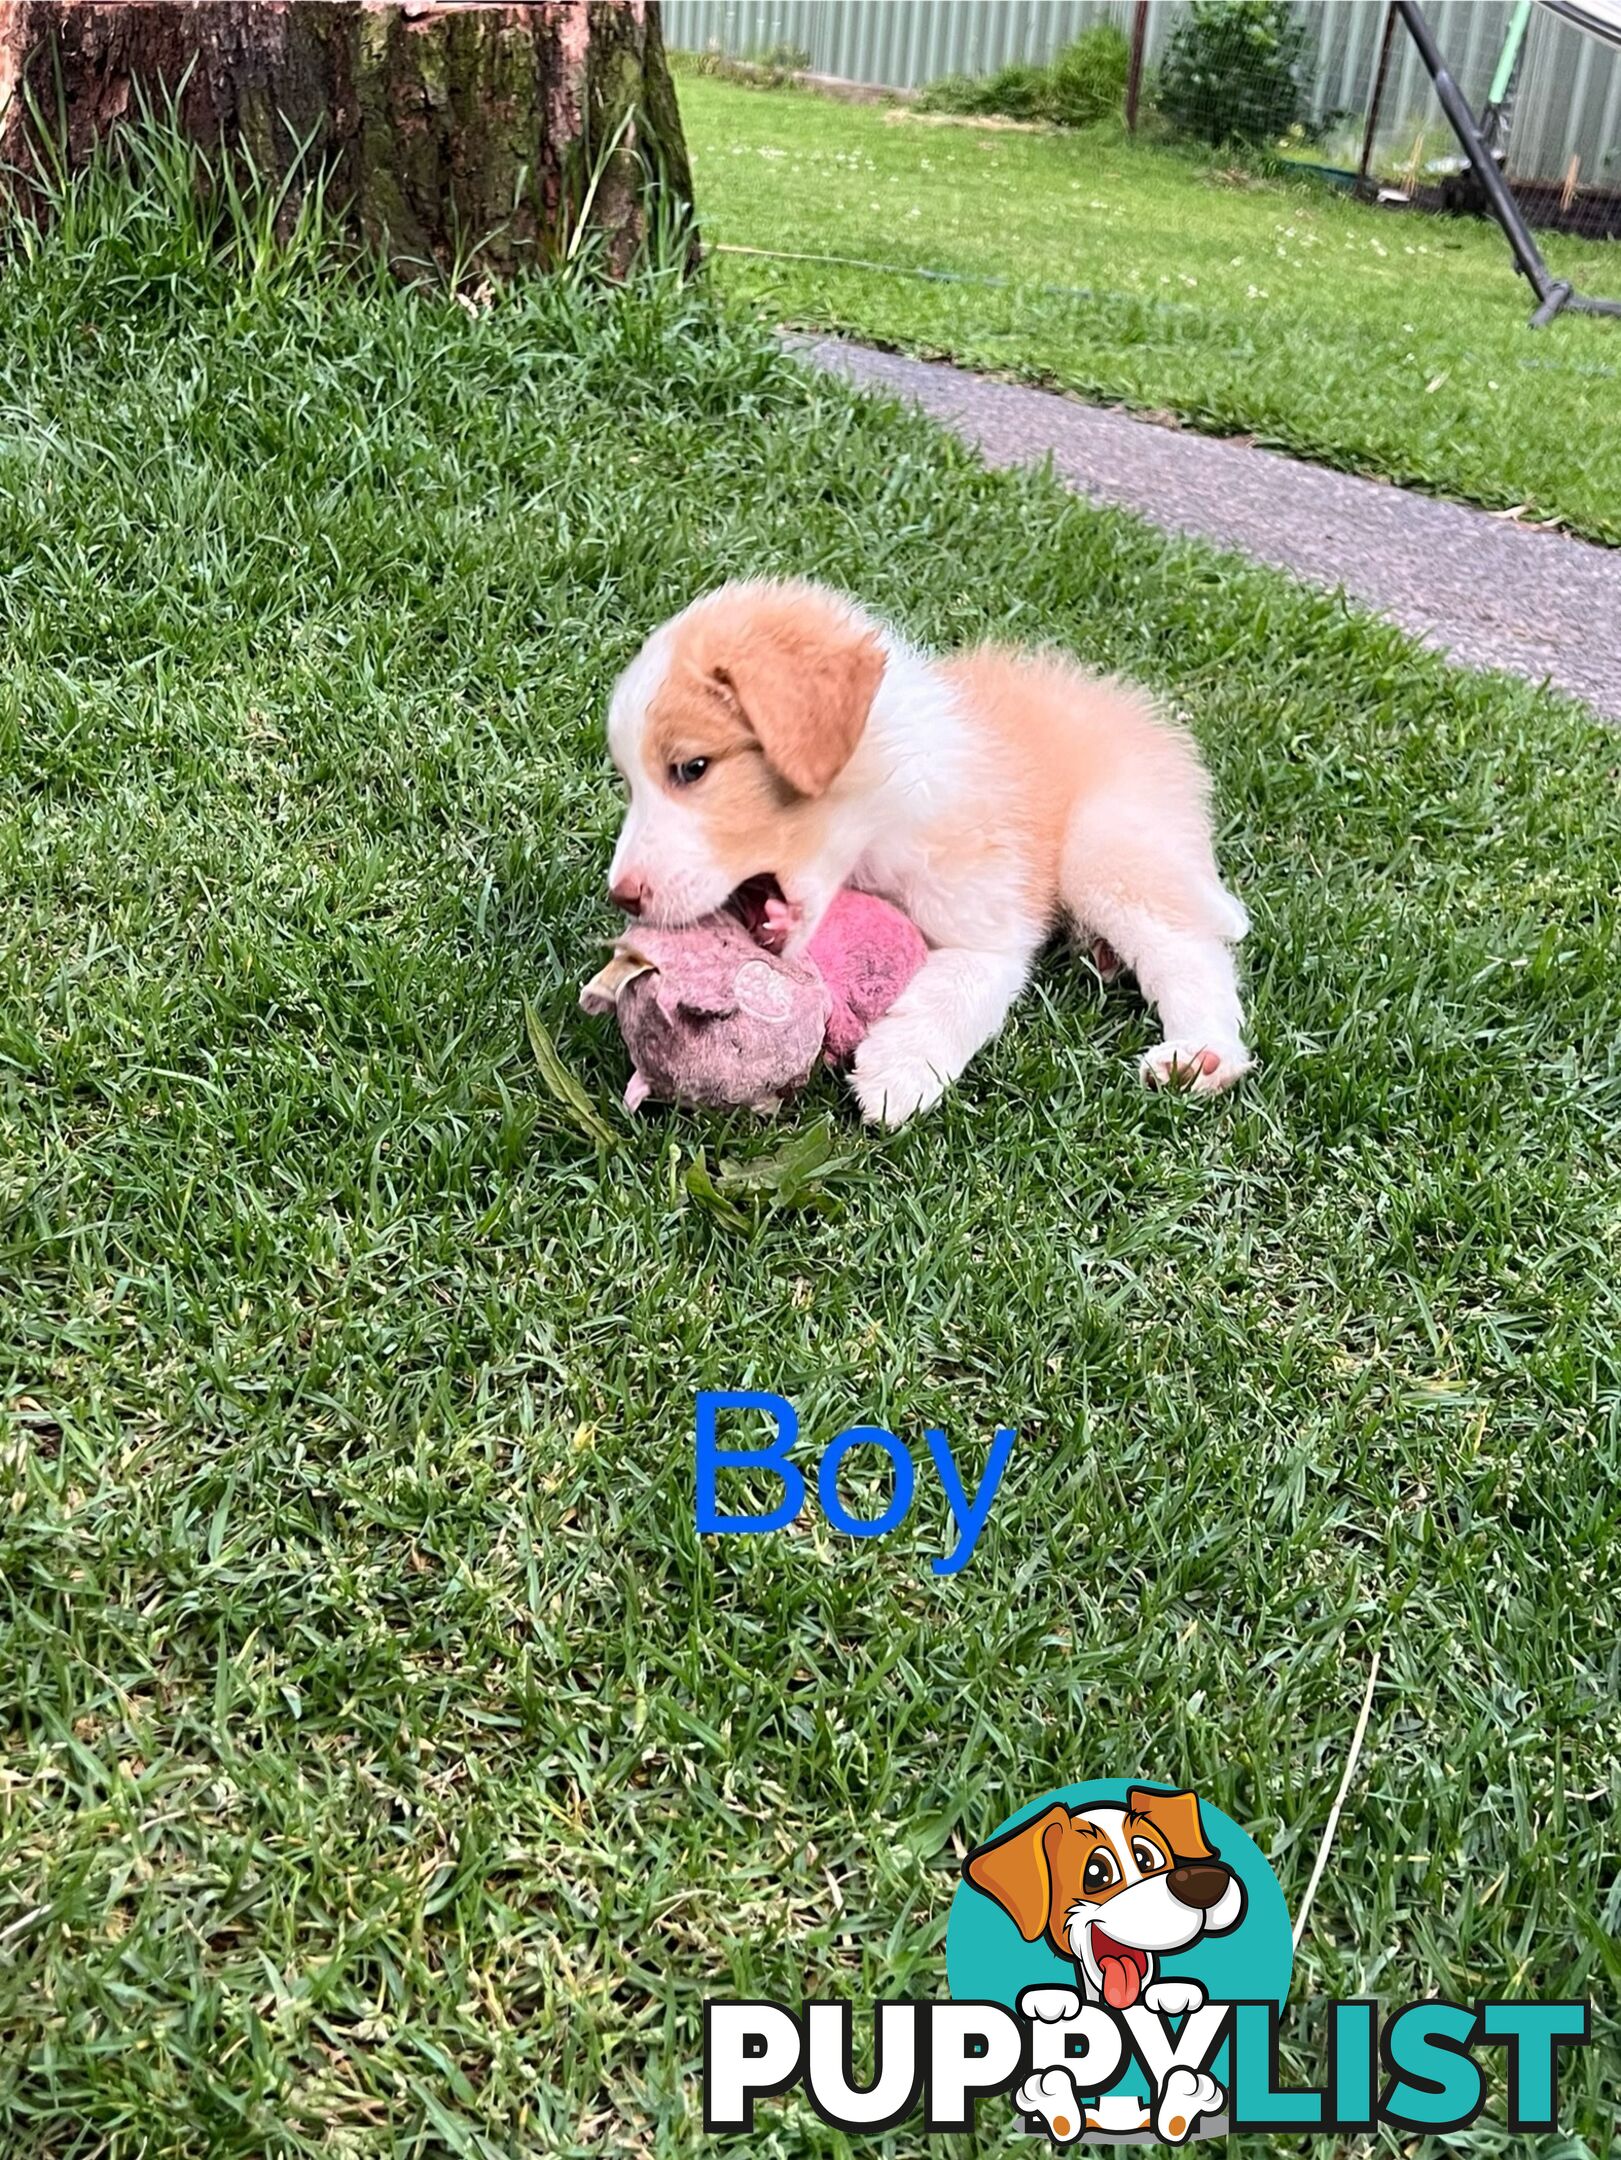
[769,687]
[800,668]
[731,728]
[1038,1871]
[1169,1820]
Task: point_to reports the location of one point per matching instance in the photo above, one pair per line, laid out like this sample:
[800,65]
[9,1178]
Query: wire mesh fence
[1559,134]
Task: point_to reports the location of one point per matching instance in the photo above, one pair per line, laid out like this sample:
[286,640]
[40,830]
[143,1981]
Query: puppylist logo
[1119,1957]
[1101,1916]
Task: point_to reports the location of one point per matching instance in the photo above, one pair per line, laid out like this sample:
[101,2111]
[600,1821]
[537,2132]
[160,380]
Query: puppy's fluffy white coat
[779,728]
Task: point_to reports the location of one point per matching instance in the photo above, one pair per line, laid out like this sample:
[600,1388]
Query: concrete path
[1490,593]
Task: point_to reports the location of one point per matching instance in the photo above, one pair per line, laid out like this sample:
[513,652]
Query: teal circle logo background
[988,1960]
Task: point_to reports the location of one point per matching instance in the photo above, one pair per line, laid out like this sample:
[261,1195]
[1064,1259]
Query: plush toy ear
[1016,1869]
[602,993]
[1175,1815]
[803,676]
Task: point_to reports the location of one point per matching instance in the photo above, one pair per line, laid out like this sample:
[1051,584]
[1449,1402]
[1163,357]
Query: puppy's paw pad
[1173,1998]
[1199,1068]
[1185,2096]
[1049,2005]
[892,1079]
[1049,2097]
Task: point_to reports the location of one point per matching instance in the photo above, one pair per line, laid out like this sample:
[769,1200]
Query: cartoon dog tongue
[1121,1974]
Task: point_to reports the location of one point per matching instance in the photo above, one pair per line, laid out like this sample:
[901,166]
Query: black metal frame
[1582,19]
[1554,295]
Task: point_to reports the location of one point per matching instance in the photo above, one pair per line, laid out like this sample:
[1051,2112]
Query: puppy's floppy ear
[804,677]
[1175,1815]
[1016,1869]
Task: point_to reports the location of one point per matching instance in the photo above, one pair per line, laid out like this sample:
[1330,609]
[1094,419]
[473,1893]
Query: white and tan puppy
[777,732]
[1115,1887]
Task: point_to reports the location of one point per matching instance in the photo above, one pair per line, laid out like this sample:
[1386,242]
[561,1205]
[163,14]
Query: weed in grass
[385,1766]
[793,1177]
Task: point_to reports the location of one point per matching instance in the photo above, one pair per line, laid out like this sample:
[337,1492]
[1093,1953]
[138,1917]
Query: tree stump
[451,135]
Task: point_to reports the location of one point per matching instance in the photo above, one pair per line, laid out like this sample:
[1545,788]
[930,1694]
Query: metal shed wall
[1570,88]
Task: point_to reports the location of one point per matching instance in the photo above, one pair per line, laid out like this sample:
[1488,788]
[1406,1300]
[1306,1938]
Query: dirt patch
[1000,122]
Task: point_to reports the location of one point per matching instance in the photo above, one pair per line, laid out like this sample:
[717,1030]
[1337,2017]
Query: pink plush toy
[713,1020]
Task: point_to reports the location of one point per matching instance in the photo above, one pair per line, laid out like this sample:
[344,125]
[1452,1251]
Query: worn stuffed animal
[713,1020]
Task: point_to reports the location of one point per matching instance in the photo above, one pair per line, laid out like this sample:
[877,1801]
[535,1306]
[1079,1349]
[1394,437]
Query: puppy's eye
[1148,1857]
[690,769]
[1099,1872]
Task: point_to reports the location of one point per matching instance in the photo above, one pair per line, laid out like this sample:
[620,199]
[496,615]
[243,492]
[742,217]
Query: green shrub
[1231,71]
[1015,92]
[781,58]
[950,94]
[1087,81]
[1018,90]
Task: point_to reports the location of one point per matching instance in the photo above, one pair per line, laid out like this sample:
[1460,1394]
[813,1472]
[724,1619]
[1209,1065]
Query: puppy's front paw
[1173,1998]
[1049,2005]
[1201,1068]
[893,1076]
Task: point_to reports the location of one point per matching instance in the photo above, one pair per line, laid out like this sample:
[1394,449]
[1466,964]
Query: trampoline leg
[1551,296]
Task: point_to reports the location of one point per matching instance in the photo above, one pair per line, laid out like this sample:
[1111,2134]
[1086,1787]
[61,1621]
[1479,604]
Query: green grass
[1381,342]
[386,1767]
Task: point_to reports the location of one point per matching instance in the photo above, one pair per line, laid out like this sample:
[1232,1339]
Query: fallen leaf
[561,1084]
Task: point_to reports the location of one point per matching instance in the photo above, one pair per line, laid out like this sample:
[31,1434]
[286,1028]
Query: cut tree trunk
[491,137]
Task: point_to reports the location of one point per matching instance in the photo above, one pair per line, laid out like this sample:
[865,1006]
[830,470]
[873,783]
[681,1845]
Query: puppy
[1114,1888]
[778,743]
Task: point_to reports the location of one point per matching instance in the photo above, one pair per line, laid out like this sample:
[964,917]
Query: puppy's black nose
[1199,1885]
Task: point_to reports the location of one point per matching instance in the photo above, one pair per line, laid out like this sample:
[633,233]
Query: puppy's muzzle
[1198,1885]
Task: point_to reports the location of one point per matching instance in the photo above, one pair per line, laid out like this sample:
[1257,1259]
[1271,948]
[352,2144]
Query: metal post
[1134,72]
[1381,77]
[1553,294]
[1494,120]
[1527,258]
[1509,58]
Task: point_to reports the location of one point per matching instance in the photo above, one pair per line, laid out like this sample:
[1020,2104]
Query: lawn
[387,1767]
[1142,276]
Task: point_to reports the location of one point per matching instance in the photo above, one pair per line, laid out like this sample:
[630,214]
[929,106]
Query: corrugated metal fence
[1569,101]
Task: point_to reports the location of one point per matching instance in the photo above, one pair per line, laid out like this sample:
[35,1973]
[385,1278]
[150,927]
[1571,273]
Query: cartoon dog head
[1114,1886]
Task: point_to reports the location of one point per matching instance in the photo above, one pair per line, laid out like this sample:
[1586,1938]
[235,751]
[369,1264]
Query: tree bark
[452,135]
